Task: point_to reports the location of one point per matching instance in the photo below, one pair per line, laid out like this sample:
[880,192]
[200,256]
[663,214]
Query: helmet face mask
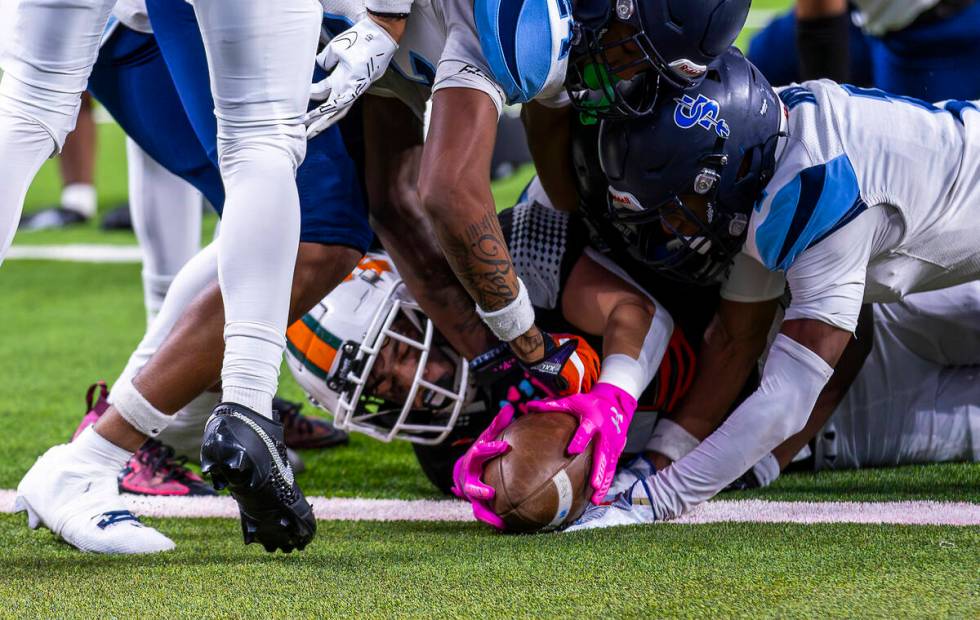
[334,354]
[612,75]
[692,243]
[360,410]
[624,52]
[686,176]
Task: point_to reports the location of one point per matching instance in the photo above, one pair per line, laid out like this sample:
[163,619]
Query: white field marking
[78,253]
[744,511]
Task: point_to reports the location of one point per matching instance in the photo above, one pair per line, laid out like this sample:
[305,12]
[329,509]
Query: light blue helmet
[525,43]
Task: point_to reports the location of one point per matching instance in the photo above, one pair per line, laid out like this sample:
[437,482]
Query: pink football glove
[604,414]
[468,469]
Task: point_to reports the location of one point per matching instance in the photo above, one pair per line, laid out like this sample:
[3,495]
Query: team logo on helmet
[688,68]
[702,112]
[624,200]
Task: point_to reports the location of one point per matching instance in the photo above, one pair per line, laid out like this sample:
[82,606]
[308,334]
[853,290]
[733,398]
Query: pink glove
[604,414]
[468,469]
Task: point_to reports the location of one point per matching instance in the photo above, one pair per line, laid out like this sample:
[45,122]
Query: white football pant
[51,47]
[261,60]
[166,212]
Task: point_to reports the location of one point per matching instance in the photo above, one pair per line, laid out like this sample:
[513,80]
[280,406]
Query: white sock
[257,252]
[154,292]
[80,198]
[92,448]
[250,375]
[197,274]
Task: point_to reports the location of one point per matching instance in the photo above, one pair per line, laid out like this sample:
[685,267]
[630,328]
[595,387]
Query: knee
[242,147]
[319,269]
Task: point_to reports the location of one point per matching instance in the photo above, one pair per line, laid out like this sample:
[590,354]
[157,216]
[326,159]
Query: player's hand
[570,365]
[468,469]
[604,416]
[355,59]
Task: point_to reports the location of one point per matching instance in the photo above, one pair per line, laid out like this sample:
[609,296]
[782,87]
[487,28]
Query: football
[539,486]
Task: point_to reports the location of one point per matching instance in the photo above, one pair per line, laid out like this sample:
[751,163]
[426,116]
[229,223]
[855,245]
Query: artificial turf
[465,571]
[65,325]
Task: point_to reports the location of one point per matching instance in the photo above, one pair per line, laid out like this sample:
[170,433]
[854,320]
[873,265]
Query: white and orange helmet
[332,350]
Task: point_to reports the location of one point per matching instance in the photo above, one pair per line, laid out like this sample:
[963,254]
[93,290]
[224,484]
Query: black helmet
[672,41]
[716,140]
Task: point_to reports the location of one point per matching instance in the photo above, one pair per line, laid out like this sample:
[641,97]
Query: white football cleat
[637,469]
[80,502]
[629,508]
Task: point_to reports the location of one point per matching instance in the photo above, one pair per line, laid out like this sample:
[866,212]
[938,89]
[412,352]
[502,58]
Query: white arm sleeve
[793,378]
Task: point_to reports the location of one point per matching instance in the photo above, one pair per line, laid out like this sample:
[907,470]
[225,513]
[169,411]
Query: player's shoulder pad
[805,202]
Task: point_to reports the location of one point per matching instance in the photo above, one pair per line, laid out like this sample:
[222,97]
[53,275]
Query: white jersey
[874,197]
[917,397]
[879,17]
[439,49]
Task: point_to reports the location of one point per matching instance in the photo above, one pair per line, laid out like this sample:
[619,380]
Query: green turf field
[65,325]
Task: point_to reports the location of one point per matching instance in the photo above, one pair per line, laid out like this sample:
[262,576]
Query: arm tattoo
[482,263]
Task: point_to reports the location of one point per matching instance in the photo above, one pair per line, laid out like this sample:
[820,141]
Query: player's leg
[166,214]
[78,198]
[905,408]
[393,150]
[261,65]
[932,61]
[774,51]
[46,64]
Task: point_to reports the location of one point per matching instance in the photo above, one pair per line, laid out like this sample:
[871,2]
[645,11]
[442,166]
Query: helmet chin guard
[334,349]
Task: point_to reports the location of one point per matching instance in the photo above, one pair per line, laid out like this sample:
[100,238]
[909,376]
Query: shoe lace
[160,458]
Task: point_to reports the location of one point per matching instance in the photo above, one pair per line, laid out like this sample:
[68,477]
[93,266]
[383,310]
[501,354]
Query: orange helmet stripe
[310,348]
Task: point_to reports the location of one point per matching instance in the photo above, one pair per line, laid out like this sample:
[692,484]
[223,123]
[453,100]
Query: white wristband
[625,373]
[671,440]
[391,7]
[512,320]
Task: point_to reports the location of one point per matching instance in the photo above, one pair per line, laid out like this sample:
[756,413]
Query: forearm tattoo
[482,263]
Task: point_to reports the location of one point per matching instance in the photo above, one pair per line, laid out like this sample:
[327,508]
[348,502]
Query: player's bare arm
[456,195]
[393,141]
[549,139]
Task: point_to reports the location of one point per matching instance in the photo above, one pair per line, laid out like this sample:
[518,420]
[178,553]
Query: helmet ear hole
[744,167]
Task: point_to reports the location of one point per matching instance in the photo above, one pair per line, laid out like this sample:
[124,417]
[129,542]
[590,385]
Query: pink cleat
[94,409]
[154,470]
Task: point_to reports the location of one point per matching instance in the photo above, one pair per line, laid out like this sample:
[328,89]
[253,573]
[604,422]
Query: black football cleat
[244,451]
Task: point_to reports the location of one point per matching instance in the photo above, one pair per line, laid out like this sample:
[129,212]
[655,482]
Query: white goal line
[717,511]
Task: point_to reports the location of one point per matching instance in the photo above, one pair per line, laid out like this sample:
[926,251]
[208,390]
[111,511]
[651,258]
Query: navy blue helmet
[623,49]
[689,173]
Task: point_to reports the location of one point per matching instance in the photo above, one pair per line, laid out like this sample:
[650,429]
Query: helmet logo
[624,200]
[738,225]
[702,112]
[688,68]
[624,9]
[705,181]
